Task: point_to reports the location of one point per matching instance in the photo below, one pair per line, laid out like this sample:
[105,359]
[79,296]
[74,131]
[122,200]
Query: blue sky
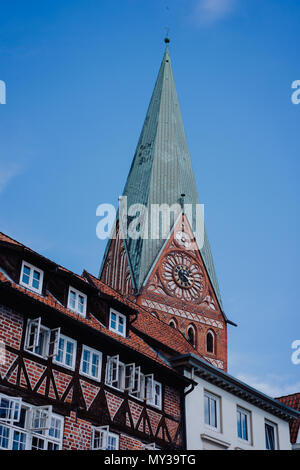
[79,77]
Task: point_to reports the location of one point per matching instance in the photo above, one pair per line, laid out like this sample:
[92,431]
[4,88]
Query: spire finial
[167,39]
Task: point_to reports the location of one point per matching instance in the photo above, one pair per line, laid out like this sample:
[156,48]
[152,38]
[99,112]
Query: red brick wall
[77,434]
[129,443]
[172,402]
[11,325]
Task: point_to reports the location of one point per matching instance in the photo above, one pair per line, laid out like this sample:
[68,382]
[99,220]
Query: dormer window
[31,277]
[117,322]
[77,301]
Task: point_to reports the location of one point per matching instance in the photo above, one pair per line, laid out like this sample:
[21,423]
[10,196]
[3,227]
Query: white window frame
[88,374]
[32,269]
[13,431]
[151,446]
[52,339]
[246,413]
[212,396]
[151,399]
[63,362]
[106,434]
[15,406]
[115,380]
[139,390]
[275,428]
[40,418]
[76,308]
[118,316]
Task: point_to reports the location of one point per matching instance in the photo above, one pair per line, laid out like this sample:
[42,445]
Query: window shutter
[54,342]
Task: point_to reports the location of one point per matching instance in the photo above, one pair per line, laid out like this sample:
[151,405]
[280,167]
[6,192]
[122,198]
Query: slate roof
[160,172]
[294,402]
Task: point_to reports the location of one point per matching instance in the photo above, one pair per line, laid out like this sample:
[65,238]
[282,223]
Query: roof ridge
[38,254]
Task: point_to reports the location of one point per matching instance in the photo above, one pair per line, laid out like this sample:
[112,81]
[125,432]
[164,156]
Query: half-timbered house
[81,366]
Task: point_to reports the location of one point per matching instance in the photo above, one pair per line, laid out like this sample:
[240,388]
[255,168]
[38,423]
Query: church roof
[160,173]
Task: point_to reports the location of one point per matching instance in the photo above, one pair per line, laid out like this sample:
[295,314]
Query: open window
[151,446]
[40,418]
[113,375]
[129,376]
[103,439]
[41,340]
[10,409]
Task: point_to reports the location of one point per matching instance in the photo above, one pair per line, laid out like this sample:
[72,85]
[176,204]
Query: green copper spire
[161,172]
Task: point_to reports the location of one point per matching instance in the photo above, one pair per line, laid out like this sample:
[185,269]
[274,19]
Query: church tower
[173,277]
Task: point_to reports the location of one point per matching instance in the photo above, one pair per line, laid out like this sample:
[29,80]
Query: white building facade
[223,413]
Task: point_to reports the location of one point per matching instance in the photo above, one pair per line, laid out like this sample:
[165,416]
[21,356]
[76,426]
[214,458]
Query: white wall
[228,433]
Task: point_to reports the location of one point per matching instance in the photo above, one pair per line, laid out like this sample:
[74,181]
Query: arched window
[173,323]
[191,335]
[210,342]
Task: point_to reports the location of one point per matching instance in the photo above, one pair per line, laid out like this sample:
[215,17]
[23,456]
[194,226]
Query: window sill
[214,440]
[96,379]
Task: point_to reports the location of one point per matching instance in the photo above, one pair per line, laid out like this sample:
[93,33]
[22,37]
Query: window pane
[4,437]
[19,440]
[72,299]
[245,427]
[270,437]
[121,325]
[69,353]
[80,303]
[26,275]
[36,280]
[113,320]
[60,354]
[86,361]
[206,410]
[213,412]
[5,408]
[43,340]
[112,443]
[239,425]
[95,365]
[37,443]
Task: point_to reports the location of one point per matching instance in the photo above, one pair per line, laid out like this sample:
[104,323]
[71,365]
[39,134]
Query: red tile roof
[145,323]
[294,402]
[8,240]
[132,341]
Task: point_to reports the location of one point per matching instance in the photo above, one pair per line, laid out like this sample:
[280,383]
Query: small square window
[31,277]
[117,322]
[77,301]
[91,361]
